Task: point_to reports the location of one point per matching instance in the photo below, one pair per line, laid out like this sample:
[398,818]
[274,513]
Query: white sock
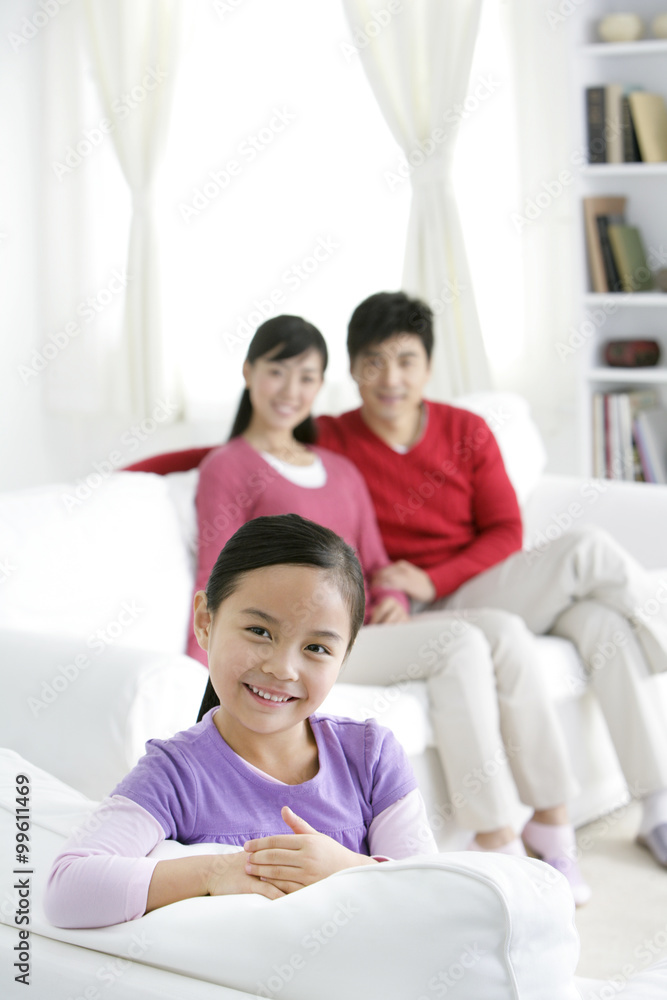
[654,811]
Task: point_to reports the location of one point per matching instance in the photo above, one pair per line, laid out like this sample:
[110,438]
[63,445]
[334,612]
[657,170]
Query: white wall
[23,457]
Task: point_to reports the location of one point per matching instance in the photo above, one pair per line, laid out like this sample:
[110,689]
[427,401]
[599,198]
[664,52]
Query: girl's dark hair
[293,335]
[385,314]
[275,541]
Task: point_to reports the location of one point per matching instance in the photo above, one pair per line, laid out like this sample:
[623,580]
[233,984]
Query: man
[451,524]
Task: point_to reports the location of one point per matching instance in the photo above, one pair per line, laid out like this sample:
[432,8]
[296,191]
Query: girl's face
[282,392]
[275,647]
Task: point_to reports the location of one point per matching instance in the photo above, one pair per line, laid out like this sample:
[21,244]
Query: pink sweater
[236,484]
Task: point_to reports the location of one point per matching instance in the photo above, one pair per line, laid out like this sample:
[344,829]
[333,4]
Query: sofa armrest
[489,925]
[633,513]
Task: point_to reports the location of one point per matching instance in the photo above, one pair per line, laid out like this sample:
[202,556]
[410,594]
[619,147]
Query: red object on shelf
[632,353]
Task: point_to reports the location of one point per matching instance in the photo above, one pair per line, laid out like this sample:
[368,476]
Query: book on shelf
[630,258]
[610,126]
[616,450]
[649,115]
[650,428]
[604,205]
[613,121]
[599,456]
[595,124]
[614,283]
[631,153]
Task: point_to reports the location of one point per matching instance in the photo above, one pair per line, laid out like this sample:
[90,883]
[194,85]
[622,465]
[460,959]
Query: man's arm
[497,519]
[498,532]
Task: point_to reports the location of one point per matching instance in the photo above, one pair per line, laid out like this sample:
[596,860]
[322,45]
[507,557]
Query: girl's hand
[290,861]
[388,611]
[204,875]
[403,575]
[228,876]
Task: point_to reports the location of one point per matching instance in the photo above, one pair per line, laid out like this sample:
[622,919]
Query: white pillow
[519,440]
[86,718]
[110,566]
[182,487]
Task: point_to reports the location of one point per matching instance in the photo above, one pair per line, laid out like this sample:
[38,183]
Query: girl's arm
[102,876]
[402,830]
[204,875]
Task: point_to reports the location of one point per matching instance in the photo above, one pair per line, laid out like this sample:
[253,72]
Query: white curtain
[135,46]
[545,220]
[418,63]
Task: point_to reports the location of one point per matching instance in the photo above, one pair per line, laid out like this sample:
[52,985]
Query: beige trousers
[495,728]
[585,587]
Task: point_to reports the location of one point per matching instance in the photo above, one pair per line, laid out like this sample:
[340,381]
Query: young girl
[477,665]
[279,616]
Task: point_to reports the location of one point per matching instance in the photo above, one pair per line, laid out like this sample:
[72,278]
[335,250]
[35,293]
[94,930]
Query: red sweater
[447,505]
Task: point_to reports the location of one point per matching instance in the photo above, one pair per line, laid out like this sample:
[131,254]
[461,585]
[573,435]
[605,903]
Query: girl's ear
[246,373]
[202,619]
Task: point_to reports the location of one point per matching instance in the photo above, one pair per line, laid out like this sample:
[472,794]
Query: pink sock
[550,841]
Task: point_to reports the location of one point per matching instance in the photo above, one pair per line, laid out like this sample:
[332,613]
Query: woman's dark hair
[385,314]
[293,335]
[275,541]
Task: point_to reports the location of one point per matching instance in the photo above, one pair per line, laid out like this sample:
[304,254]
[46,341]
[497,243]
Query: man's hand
[229,876]
[290,861]
[388,611]
[403,575]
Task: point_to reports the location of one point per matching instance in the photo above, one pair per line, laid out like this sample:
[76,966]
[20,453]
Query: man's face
[391,376]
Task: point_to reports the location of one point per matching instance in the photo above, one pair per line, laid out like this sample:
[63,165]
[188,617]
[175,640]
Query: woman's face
[282,392]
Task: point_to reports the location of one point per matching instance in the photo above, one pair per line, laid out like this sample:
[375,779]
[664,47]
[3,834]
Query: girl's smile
[274,697]
[275,647]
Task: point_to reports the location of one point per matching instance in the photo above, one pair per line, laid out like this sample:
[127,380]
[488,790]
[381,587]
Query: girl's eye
[314,647]
[259,630]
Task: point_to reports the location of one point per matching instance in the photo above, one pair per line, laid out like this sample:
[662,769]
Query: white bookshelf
[641,315]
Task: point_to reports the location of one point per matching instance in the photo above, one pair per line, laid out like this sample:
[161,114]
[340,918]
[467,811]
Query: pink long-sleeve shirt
[236,484]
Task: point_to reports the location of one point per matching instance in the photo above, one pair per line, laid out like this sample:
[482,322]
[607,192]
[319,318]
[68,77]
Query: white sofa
[110,560]
[96,581]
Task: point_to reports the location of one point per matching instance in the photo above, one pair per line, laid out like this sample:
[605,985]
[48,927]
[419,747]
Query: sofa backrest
[104,559]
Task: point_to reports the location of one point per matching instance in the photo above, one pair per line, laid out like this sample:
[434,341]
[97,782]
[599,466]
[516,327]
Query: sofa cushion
[104,561]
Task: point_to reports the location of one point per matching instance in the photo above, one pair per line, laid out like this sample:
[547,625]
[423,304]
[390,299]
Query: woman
[271,466]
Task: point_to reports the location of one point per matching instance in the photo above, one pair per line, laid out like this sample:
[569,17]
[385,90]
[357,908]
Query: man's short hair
[385,314]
